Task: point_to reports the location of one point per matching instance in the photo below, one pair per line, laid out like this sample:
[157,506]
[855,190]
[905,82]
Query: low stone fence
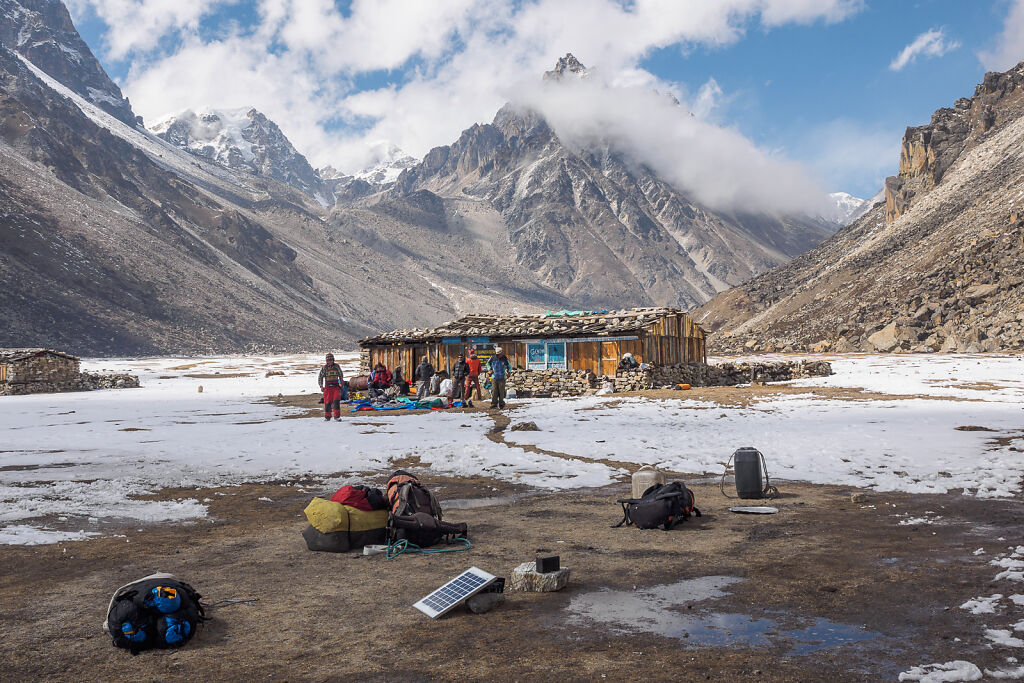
[527,383]
[552,382]
[725,374]
[85,381]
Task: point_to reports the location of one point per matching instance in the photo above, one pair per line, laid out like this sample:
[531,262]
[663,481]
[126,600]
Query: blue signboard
[480,340]
[451,340]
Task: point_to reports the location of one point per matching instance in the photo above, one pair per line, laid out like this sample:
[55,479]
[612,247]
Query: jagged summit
[567,64]
[242,139]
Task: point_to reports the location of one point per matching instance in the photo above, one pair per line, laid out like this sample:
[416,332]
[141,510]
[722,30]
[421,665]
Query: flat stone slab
[526,578]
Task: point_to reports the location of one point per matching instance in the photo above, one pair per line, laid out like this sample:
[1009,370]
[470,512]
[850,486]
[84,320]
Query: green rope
[403,546]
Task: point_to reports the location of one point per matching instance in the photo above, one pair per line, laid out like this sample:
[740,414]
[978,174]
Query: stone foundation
[86,381]
[532,383]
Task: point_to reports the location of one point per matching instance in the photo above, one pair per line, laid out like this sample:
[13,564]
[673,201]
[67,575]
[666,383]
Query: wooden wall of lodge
[599,357]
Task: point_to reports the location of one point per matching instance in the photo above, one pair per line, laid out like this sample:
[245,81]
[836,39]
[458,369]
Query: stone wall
[552,382]
[578,382]
[725,374]
[40,374]
[51,374]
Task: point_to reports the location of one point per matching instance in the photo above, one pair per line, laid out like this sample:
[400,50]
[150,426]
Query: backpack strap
[625,513]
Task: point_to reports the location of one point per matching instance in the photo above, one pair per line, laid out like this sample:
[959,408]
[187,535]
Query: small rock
[200,390]
[859,498]
[484,602]
[525,427]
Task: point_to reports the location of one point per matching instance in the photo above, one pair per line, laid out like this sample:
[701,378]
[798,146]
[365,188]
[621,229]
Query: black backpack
[662,505]
[157,611]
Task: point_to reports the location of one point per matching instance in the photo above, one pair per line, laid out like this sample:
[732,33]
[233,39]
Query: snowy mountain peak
[566,65]
[241,139]
[846,208]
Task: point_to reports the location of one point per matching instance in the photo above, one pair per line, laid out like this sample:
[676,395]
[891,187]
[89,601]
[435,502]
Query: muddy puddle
[681,610]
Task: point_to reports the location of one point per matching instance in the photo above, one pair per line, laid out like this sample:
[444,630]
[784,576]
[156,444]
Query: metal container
[646,477]
[358,383]
[747,465]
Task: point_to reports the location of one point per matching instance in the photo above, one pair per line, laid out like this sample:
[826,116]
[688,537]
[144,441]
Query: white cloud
[931,43]
[1009,47]
[849,156]
[139,25]
[716,166]
[457,61]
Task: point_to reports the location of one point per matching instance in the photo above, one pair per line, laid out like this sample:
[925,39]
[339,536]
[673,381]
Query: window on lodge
[545,356]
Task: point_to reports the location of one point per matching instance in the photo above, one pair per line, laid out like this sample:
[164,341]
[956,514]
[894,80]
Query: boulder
[976,293]
[886,339]
[526,578]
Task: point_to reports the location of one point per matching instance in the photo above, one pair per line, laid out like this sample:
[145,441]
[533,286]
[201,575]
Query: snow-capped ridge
[242,139]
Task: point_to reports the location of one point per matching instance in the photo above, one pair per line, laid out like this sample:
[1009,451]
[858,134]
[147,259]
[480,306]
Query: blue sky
[813,83]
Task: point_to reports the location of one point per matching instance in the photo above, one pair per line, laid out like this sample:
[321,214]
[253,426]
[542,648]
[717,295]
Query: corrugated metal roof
[523,326]
[14,355]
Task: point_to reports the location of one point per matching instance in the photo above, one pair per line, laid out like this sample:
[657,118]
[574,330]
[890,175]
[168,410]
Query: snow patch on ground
[22,534]
[982,605]
[958,670]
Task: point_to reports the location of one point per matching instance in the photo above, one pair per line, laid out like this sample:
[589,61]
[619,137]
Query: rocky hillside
[597,225]
[936,267]
[42,31]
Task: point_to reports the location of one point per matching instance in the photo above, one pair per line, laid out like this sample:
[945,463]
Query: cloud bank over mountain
[323,72]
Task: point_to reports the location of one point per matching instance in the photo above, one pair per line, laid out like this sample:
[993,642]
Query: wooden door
[609,358]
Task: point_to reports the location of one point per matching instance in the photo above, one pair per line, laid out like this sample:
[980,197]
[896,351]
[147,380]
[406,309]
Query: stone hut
[32,371]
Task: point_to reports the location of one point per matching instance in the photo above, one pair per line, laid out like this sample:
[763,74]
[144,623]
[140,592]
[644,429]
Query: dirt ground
[893,590]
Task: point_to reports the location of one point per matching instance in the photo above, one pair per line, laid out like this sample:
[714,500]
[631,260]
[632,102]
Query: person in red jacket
[380,379]
[473,376]
[330,381]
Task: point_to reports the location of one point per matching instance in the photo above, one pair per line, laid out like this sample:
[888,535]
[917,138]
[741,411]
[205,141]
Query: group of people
[464,380]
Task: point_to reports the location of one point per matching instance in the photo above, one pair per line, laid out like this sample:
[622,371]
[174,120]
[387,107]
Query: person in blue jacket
[499,367]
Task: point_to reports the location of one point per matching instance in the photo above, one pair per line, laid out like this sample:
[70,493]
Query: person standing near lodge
[499,368]
[330,380]
[424,371]
[459,373]
[472,376]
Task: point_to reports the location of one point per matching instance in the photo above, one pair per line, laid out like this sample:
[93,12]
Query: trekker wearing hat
[472,376]
[499,367]
[459,372]
[331,383]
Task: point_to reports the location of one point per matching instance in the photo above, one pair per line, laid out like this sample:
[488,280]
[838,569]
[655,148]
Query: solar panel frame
[465,585]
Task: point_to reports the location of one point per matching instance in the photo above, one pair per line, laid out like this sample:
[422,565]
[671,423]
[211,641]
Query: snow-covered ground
[70,462]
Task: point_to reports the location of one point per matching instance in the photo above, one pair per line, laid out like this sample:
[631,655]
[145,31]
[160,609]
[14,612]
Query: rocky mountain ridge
[935,268]
[597,225]
[42,31]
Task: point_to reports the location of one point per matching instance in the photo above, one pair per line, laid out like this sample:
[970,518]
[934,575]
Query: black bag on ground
[662,505]
[157,611]
[425,531]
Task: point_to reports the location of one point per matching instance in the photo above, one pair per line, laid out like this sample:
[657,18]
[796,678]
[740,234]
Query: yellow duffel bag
[334,527]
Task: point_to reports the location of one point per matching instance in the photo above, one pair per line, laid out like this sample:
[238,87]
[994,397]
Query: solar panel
[466,584]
